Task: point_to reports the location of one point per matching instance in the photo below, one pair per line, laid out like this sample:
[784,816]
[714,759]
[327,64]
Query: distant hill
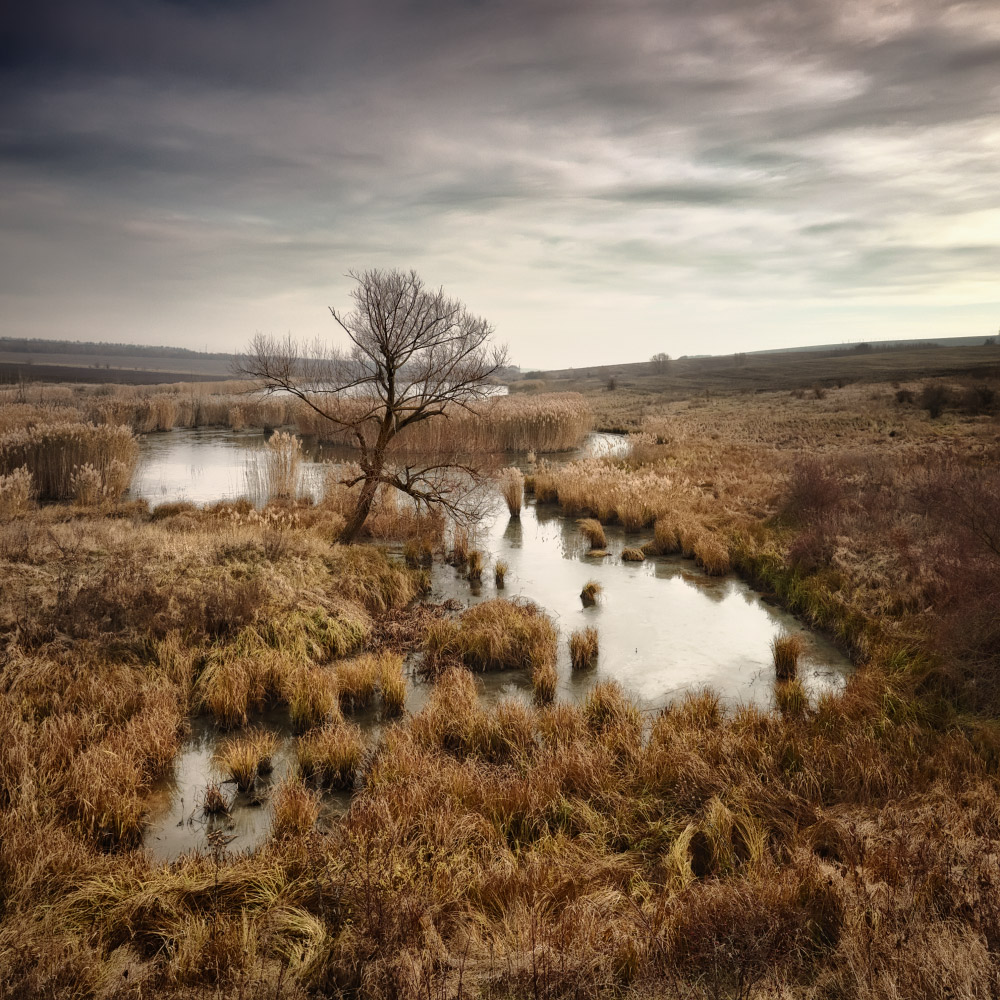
[25,345]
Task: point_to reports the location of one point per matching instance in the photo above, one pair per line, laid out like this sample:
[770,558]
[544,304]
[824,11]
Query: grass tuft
[593,531]
[296,810]
[590,593]
[583,648]
[330,755]
[243,758]
[512,488]
[786,650]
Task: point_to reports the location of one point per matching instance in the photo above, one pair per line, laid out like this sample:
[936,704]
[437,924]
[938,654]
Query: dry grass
[16,494]
[786,650]
[711,553]
[214,801]
[313,697]
[843,849]
[330,755]
[55,453]
[592,530]
[474,566]
[296,810]
[590,593]
[583,648]
[275,473]
[512,489]
[243,758]
[500,568]
[494,635]
[630,554]
[557,422]
[790,698]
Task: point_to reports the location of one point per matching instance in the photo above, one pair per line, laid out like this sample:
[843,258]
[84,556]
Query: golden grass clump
[512,489]
[330,755]
[260,664]
[593,531]
[583,648]
[16,493]
[55,453]
[360,678]
[295,810]
[458,555]
[243,758]
[474,566]
[544,680]
[357,681]
[313,698]
[666,535]
[790,698]
[786,650]
[500,568]
[630,554]
[590,593]
[495,635]
[392,683]
[712,555]
[275,473]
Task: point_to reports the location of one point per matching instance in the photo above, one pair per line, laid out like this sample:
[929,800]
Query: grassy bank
[846,848]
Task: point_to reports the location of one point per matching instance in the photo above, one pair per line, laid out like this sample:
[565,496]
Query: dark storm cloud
[646,152]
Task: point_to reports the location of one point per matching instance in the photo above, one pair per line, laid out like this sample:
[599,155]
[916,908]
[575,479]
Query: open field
[12,372]
[842,848]
[750,373]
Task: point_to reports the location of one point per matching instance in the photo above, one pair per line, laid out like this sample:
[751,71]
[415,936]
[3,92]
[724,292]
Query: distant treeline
[25,345]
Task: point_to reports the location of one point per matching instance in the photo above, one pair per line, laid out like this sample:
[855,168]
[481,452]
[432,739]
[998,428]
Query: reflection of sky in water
[211,463]
[665,627]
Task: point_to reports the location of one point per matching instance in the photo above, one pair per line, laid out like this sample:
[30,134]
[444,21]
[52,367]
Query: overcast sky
[601,180]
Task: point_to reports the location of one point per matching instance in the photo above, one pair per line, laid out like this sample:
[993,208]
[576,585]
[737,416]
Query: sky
[601,179]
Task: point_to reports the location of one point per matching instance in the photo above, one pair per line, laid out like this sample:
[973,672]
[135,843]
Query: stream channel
[666,627]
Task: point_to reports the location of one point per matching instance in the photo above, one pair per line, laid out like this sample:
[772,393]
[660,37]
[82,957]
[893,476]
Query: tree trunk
[364,505]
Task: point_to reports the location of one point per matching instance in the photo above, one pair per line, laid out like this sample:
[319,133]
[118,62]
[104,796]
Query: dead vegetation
[841,848]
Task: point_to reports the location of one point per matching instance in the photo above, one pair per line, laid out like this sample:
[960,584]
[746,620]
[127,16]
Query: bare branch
[413,354]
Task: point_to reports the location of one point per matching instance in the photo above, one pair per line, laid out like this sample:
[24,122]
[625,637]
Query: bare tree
[660,362]
[414,354]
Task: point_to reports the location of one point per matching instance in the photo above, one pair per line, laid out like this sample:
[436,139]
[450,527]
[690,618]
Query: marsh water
[665,626]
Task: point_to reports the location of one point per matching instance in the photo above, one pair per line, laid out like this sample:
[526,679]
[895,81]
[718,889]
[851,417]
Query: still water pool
[666,627]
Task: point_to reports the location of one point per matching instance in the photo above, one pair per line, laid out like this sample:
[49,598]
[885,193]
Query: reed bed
[549,850]
[503,424]
[57,454]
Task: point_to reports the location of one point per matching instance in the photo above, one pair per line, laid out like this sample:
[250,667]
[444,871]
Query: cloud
[186,170]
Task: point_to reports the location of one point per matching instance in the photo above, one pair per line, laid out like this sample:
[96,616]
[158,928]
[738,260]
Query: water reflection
[665,627]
